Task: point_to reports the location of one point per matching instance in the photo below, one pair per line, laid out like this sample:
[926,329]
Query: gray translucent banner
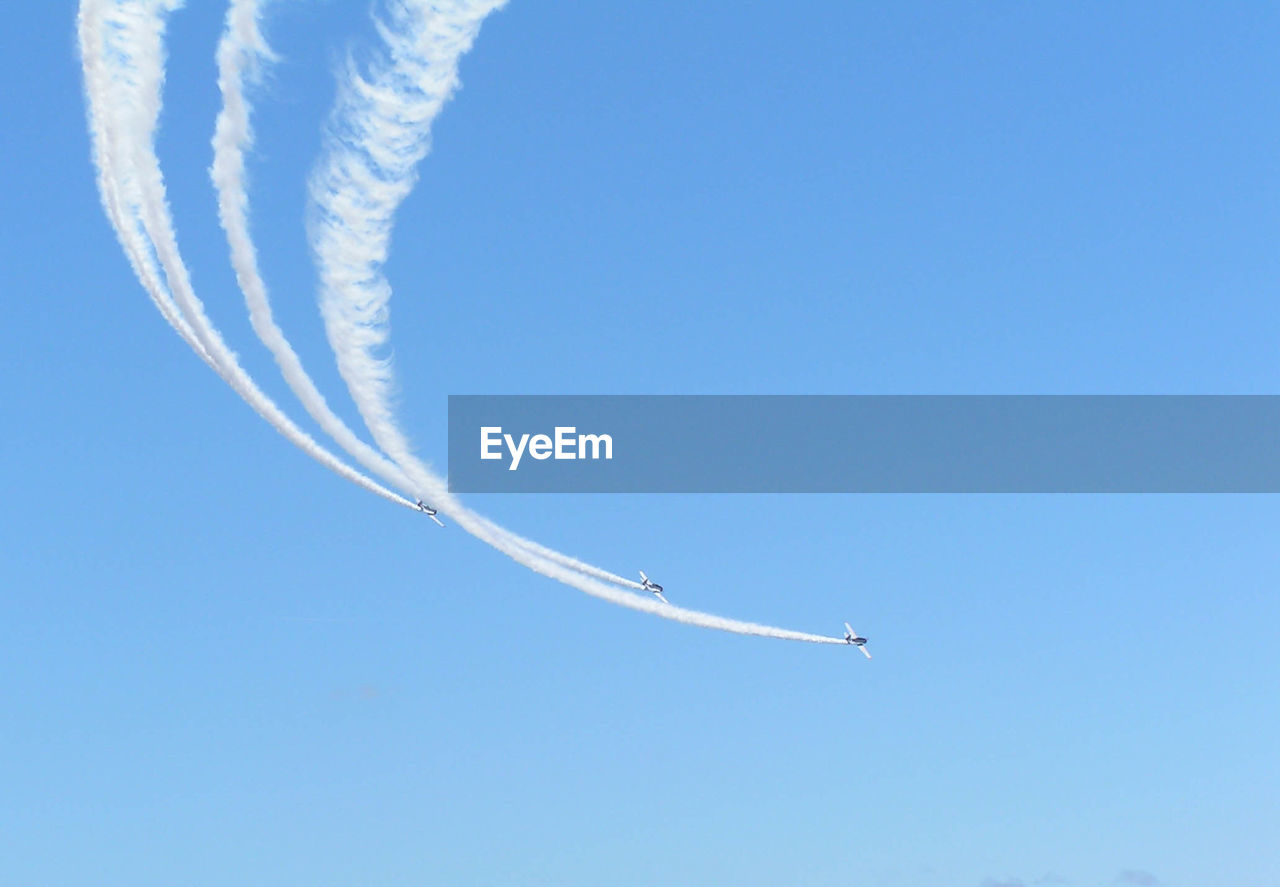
[864,444]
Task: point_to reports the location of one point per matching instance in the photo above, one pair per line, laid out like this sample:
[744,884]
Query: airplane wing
[865,652]
[436,519]
[659,596]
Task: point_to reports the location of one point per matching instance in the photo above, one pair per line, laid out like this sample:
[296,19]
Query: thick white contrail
[379,132]
[100,29]
[122,45]
[242,53]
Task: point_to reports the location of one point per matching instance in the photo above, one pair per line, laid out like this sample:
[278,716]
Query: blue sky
[224,665]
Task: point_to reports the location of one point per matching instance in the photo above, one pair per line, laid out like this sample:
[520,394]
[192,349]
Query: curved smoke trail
[242,52]
[100,30]
[378,134]
[122,47]
[122,44]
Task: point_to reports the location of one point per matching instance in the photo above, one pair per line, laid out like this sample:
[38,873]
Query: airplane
[851,637]
[428,511]
[648,585]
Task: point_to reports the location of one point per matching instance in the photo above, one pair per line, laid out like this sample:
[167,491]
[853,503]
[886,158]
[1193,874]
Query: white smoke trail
[379,133]
[135,200]
[122,47]
[99,30]
[118,82]
[242,53]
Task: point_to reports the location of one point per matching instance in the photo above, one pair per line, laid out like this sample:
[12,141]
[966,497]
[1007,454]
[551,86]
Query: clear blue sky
[220,664]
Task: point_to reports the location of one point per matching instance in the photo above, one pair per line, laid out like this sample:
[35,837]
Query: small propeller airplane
[428,511]
[648,585]
[851,637]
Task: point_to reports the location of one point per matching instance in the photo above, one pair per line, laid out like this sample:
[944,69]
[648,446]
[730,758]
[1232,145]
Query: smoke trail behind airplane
[122,45]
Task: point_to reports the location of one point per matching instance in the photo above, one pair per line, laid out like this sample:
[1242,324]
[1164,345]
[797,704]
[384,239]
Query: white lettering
[540,447]
[564,442]
[565,445]
[489,437]
[516,452]
[595,440]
